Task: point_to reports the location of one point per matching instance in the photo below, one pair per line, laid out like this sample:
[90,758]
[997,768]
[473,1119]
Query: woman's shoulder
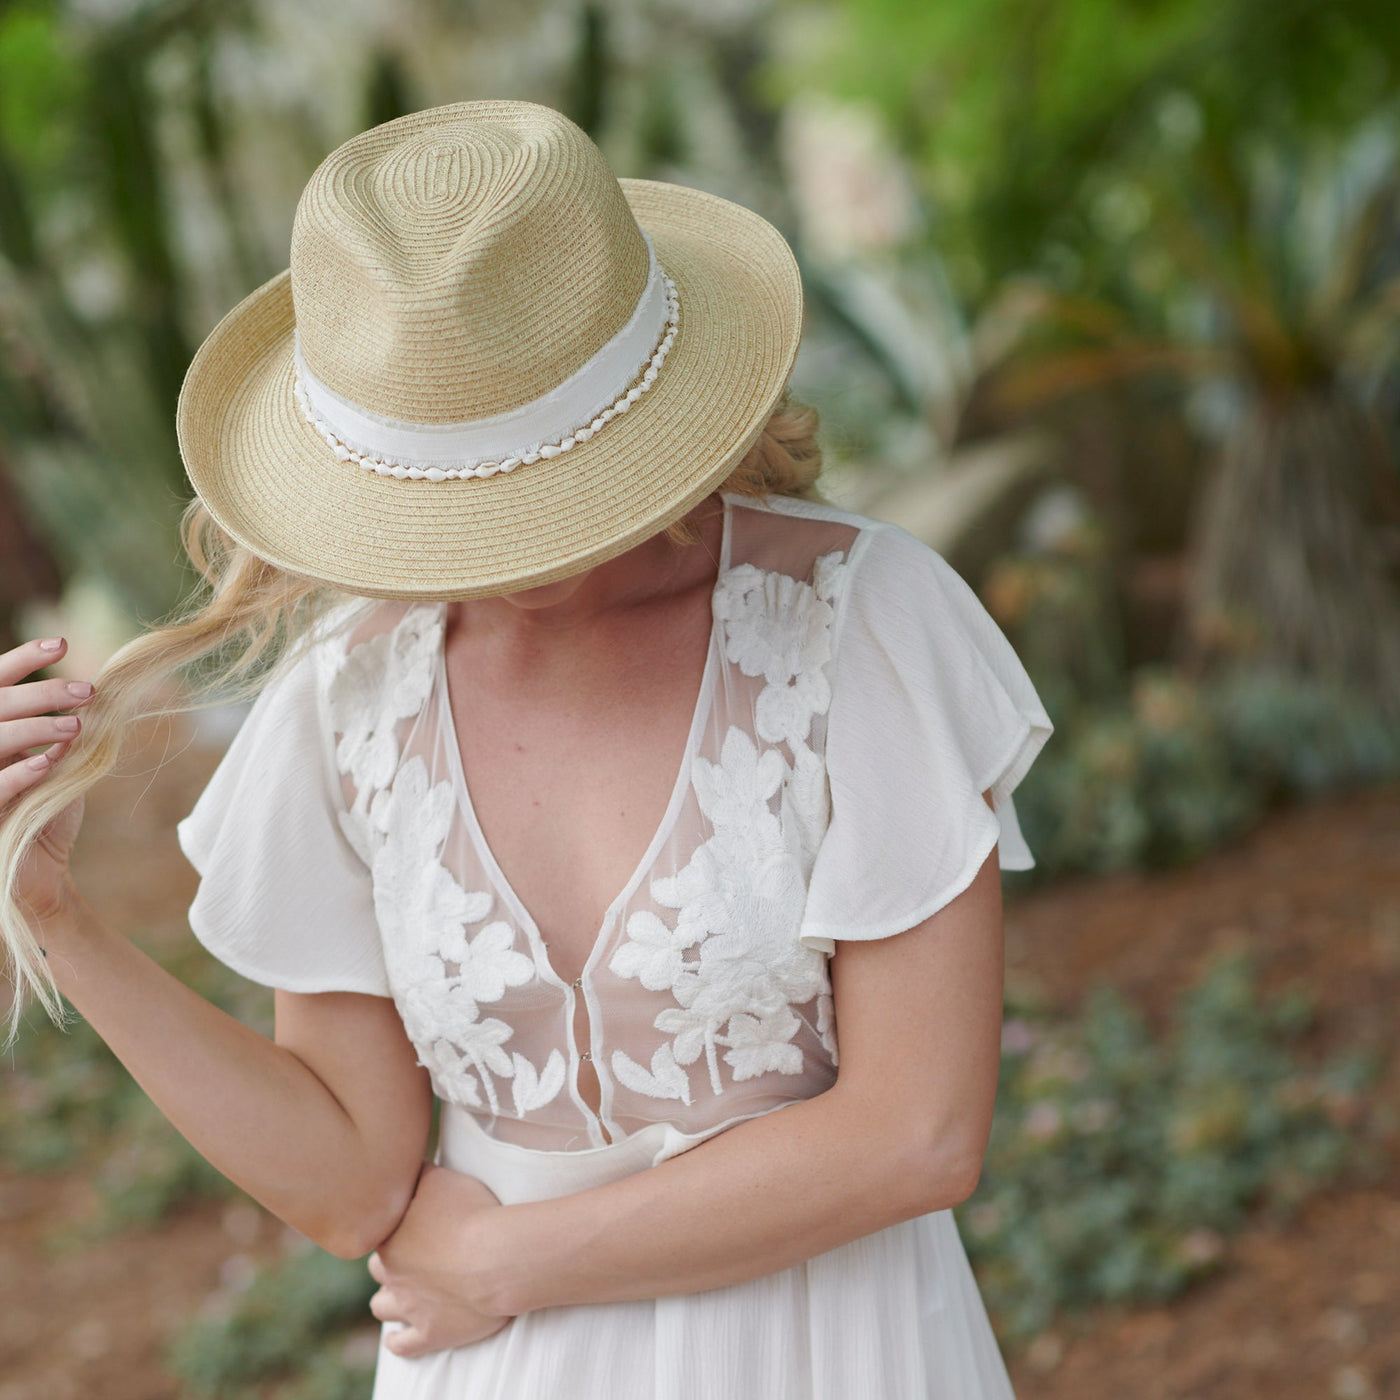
[880,560]
[806,540]
[355,670]
[897,609]
[363,660]
[797,515]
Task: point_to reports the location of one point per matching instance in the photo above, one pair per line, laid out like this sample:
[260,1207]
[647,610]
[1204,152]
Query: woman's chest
[573,760]
[691,998]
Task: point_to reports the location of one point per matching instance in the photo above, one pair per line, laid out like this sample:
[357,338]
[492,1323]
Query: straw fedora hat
[490,365]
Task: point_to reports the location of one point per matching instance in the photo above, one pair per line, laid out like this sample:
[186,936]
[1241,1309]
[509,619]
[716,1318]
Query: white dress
[856,701]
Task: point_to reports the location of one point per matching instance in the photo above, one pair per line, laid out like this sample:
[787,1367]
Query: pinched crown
[458,263]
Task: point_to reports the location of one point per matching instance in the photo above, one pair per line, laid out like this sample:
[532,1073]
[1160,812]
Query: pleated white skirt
[893,1316]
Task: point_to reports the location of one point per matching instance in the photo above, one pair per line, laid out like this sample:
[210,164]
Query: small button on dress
[856,701]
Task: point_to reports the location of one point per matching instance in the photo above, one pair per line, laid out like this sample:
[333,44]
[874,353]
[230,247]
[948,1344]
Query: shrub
[279,1325]
[1119,1163]
[1147,767]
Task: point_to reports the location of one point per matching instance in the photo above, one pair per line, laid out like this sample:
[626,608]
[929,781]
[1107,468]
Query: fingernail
[38,763]
[51,644]
[66,724]
[82,689]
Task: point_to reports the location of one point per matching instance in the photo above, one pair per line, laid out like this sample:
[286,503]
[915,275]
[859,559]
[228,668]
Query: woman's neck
[650,572]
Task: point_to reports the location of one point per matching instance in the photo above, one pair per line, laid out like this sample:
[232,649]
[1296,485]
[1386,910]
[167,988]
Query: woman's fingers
[20,776]
[25,719]
[16,735]
[38,697]
[407,1342]
[386,1307]
[29,657]
[377,1271]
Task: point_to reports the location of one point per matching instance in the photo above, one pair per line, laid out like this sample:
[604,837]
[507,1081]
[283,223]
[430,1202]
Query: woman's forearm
[251,1107]
[758,1198]
[901,1133]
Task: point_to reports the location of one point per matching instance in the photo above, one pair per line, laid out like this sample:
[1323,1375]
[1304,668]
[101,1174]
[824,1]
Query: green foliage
[1148,783]
[150,1171]
[1201,195]
[39,86]
[1149,767]
[1060,608]
[331,1376]
[1182,769]
[61,1098]
[93,290]
[1119,1162]
[1292,735]
[1018,113]
[275,1326]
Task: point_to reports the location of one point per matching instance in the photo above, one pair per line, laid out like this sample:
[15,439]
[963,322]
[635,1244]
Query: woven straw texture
[456,264]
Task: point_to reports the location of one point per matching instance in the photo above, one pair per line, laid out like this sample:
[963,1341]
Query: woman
[618,777]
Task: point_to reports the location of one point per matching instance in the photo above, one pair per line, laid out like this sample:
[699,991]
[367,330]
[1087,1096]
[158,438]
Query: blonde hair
[246,617]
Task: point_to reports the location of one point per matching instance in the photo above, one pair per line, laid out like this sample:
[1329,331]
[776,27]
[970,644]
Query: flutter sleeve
[930,708]
[283,899]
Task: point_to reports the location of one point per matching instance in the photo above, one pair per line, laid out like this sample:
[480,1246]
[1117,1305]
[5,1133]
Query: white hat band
[607,384]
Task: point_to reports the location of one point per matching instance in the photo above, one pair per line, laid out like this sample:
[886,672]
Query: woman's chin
[546,595]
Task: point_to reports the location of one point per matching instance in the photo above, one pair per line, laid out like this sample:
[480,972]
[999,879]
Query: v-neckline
[503,888]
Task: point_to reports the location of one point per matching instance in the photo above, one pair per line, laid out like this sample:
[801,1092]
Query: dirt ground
[1302,1312]
[1305,1312]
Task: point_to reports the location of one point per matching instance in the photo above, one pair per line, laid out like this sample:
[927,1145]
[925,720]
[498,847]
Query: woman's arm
[902,1132]
[326,1126]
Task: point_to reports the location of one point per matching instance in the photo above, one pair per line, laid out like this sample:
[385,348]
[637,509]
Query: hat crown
[461,262]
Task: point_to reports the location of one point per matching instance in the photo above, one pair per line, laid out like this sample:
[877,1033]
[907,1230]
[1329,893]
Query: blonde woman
[607,787]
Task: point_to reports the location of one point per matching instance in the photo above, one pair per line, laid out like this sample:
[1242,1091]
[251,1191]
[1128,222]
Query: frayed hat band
[608,384]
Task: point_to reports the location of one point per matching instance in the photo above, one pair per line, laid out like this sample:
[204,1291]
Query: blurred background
[1104,305]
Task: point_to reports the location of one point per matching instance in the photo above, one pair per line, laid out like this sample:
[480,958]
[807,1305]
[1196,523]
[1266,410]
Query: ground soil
[1302,1311]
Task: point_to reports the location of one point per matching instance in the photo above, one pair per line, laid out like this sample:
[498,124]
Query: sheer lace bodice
[706,997]
[701,1005]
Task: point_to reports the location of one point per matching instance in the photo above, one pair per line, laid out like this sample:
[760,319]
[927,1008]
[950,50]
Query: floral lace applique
[731,959]
[441,975]
[373,686]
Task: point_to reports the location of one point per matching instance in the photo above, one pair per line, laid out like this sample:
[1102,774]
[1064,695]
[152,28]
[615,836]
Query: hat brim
[269,479]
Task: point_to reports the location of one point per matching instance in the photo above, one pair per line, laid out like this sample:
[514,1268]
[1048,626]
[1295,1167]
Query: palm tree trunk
[1287,567]
[27,569]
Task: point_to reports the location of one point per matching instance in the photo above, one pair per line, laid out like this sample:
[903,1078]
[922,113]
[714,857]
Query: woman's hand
[424,1281]
[25,723]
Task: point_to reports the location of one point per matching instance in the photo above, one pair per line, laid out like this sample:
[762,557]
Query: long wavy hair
[245,618]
